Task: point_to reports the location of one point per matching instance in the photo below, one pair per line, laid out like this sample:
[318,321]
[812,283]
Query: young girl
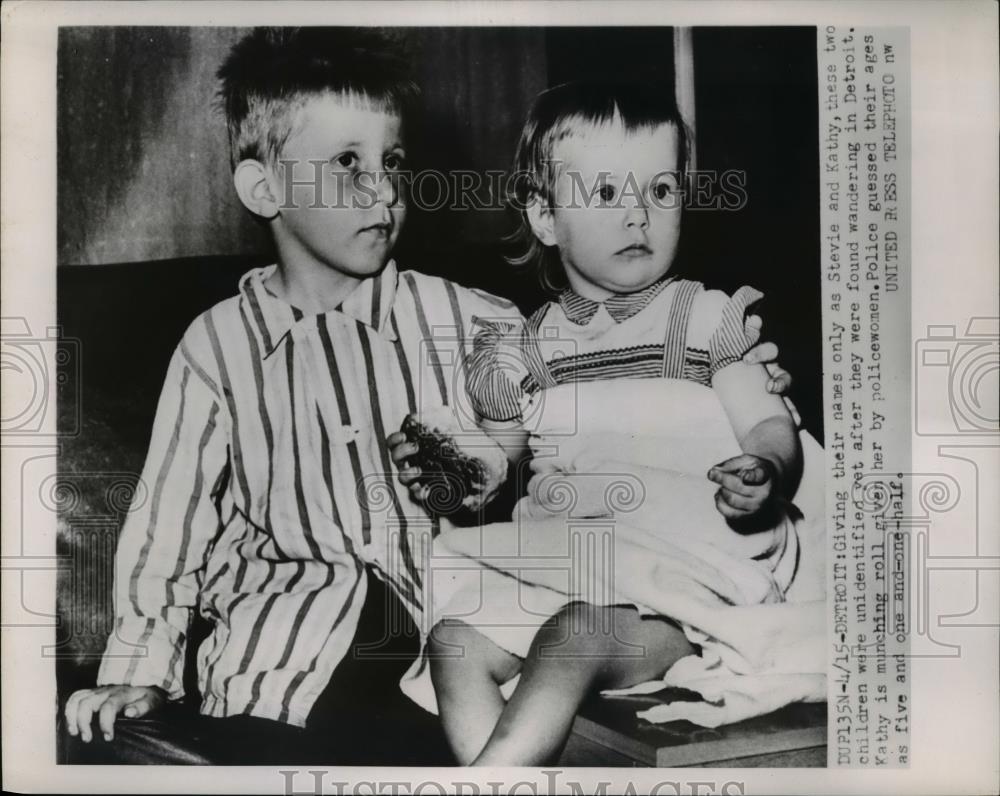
[624,350]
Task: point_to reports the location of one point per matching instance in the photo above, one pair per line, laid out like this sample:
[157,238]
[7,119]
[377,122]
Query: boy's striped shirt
[268,486]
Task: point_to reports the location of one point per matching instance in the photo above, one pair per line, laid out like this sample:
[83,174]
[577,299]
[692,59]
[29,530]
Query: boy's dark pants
[361,718]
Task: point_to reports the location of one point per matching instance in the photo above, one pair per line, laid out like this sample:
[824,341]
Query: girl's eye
[393,162]
[606,193]
[663,190]
[348,160]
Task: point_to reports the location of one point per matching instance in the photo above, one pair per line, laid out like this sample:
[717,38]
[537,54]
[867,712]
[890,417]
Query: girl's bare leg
[467,670]
[582,649]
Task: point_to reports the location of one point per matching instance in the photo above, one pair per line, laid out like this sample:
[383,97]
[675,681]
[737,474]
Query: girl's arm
[492,372]
[771,464]
[509,435]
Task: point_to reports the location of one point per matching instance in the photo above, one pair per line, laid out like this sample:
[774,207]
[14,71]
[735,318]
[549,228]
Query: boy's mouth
[382,229]
[635,250]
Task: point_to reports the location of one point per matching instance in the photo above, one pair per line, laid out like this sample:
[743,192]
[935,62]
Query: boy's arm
[162,546]
[772,460]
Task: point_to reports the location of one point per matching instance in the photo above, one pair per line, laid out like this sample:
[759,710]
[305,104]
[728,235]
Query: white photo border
[954,92]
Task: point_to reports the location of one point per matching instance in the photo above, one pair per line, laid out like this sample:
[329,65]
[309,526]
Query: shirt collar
[581,310]
[370,303]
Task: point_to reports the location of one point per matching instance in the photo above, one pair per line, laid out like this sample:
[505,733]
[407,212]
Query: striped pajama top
[675,328]
[268,486]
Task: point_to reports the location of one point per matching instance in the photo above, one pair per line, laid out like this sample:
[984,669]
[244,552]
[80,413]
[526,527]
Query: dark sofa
[120,324]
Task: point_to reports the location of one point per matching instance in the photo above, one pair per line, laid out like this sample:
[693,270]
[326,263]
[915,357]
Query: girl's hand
[400,450]
[748,486]
[766,353]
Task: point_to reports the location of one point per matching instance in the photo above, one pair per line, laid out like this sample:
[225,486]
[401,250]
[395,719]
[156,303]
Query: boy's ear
[540,218]
[253,186]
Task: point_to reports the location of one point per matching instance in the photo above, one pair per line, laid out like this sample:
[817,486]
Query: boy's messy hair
[271,72]
[560,112]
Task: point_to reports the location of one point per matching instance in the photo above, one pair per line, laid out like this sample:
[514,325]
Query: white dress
[619,510]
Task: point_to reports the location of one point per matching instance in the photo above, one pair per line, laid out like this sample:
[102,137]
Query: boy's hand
[401,449]
[766,353]
[108,701]
[747,486]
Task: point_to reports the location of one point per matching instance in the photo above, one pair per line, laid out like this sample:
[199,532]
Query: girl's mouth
[635,250]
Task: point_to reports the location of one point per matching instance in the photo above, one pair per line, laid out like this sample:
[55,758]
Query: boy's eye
[393,161]
[606,193]
[347,160]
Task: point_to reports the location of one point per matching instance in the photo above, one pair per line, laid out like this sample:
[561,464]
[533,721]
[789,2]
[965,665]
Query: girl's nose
[637,216]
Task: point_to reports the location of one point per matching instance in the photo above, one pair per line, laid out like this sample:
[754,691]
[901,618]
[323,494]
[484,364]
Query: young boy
[271,487]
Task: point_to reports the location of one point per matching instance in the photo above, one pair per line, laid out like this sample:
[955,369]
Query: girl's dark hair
[271,72]
[560,112]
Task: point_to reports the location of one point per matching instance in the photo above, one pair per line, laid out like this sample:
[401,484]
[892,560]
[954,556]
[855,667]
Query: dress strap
[531,351]
[675,340]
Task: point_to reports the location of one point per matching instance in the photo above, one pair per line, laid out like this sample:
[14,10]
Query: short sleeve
[496,369]
[731,338]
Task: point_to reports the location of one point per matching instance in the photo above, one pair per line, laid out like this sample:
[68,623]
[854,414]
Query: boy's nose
[386,188]
[380,186]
